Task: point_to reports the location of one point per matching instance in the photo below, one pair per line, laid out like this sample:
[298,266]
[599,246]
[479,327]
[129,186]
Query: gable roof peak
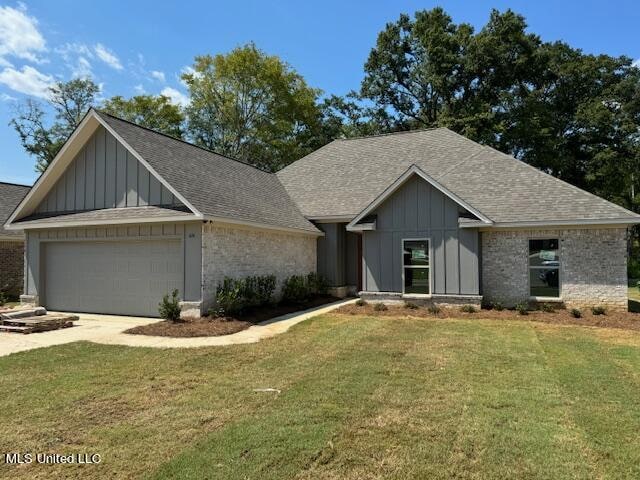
[177,139]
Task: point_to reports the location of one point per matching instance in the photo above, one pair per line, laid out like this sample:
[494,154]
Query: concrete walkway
[108,330]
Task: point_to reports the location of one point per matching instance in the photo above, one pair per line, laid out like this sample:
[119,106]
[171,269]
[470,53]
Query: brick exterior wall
[12,267]
[593,266]
[240,252]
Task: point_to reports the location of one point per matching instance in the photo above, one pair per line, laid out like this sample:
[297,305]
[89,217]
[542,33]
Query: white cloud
[82,69]
[176,97]
[19,35]
[158,75]
[139,89]
[107,56]
[68,50]
[28,81]
[5,97]
[636,63]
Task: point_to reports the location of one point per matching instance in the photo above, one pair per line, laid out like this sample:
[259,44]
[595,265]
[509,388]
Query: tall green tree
[154,112]
[253,107]
[70,101]
[573,115]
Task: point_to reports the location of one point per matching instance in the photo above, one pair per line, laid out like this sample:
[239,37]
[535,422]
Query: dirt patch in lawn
[217,326]
[611,319]
[192,327]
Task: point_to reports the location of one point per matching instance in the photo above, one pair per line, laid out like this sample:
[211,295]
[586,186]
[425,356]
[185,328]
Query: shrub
[380,307]
[361,302]
[410,305]
[295,289]
[575,313]
[598,311]
[169,308]
[468,309]
[230,297]
[486,305]
[547,308]
[265,285]
[433,309]
[633,267]
[317,284]
[498,306]
[522,308]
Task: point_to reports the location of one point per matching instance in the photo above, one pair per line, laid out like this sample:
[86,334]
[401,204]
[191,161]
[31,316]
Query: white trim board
[415,170]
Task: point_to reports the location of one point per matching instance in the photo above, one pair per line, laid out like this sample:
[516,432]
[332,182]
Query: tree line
[570,114]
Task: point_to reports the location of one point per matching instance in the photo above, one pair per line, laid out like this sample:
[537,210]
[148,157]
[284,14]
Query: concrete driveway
[108,329]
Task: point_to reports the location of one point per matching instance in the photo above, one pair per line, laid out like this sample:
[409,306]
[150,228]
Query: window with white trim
[544,267]
[415,266]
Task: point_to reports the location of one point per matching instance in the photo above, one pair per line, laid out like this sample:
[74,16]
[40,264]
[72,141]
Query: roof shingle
[345,176]
[215,185]
[10,196]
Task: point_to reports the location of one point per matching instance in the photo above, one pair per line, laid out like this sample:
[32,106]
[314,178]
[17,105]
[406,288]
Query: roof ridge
[386,134]
[101,112]
[559,180]
[15,184]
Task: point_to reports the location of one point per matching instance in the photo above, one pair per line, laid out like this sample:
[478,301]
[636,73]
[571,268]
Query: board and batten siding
[337,255]
[190,235]
[104,174]
[418,210]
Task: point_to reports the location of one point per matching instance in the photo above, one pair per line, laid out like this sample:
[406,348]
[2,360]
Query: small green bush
[295,289]
[361,302]
[265,286]
[434,309]
[230,297]
[169,308]
[486,305]
[547,308]
[633,267]
[498,306]
[575,313]
[410,305]
[317,284]
[468,309]
[522,308]
[380,307]
[598,310]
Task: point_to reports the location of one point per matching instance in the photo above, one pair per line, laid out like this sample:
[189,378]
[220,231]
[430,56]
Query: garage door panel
[117,277]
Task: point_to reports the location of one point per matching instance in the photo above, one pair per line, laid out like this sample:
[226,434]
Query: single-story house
[125,214]
[11,241]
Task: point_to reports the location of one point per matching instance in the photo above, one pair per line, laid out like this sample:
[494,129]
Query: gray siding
[331,253]
[417,210]
[190,235]
[105,174]
[338,255]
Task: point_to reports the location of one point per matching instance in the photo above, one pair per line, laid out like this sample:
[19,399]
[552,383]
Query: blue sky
[142,46]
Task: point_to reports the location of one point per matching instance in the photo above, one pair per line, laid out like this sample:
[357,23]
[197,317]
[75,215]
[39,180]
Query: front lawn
[360,397]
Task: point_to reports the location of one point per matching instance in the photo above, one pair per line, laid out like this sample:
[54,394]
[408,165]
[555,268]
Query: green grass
[360,398]
[634,293]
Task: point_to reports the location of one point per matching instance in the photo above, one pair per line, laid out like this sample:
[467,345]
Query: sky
[142,46]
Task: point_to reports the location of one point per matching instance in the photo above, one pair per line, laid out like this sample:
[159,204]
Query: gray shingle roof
[106,214]
[345,176]
[10,196]
[215,185]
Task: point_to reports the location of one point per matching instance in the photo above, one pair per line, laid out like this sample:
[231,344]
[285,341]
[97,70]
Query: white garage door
[117,277]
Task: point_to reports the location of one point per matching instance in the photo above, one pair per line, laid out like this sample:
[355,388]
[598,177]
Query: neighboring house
[11,241]
[124,215]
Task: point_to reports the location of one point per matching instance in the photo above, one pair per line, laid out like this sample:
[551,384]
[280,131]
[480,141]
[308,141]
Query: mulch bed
[612,319]
[217,326]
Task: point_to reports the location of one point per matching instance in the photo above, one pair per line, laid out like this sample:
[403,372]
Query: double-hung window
[544,268]
[415,266]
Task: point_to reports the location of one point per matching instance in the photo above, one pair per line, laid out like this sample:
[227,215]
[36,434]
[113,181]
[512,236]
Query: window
[544,268]
[415,266]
